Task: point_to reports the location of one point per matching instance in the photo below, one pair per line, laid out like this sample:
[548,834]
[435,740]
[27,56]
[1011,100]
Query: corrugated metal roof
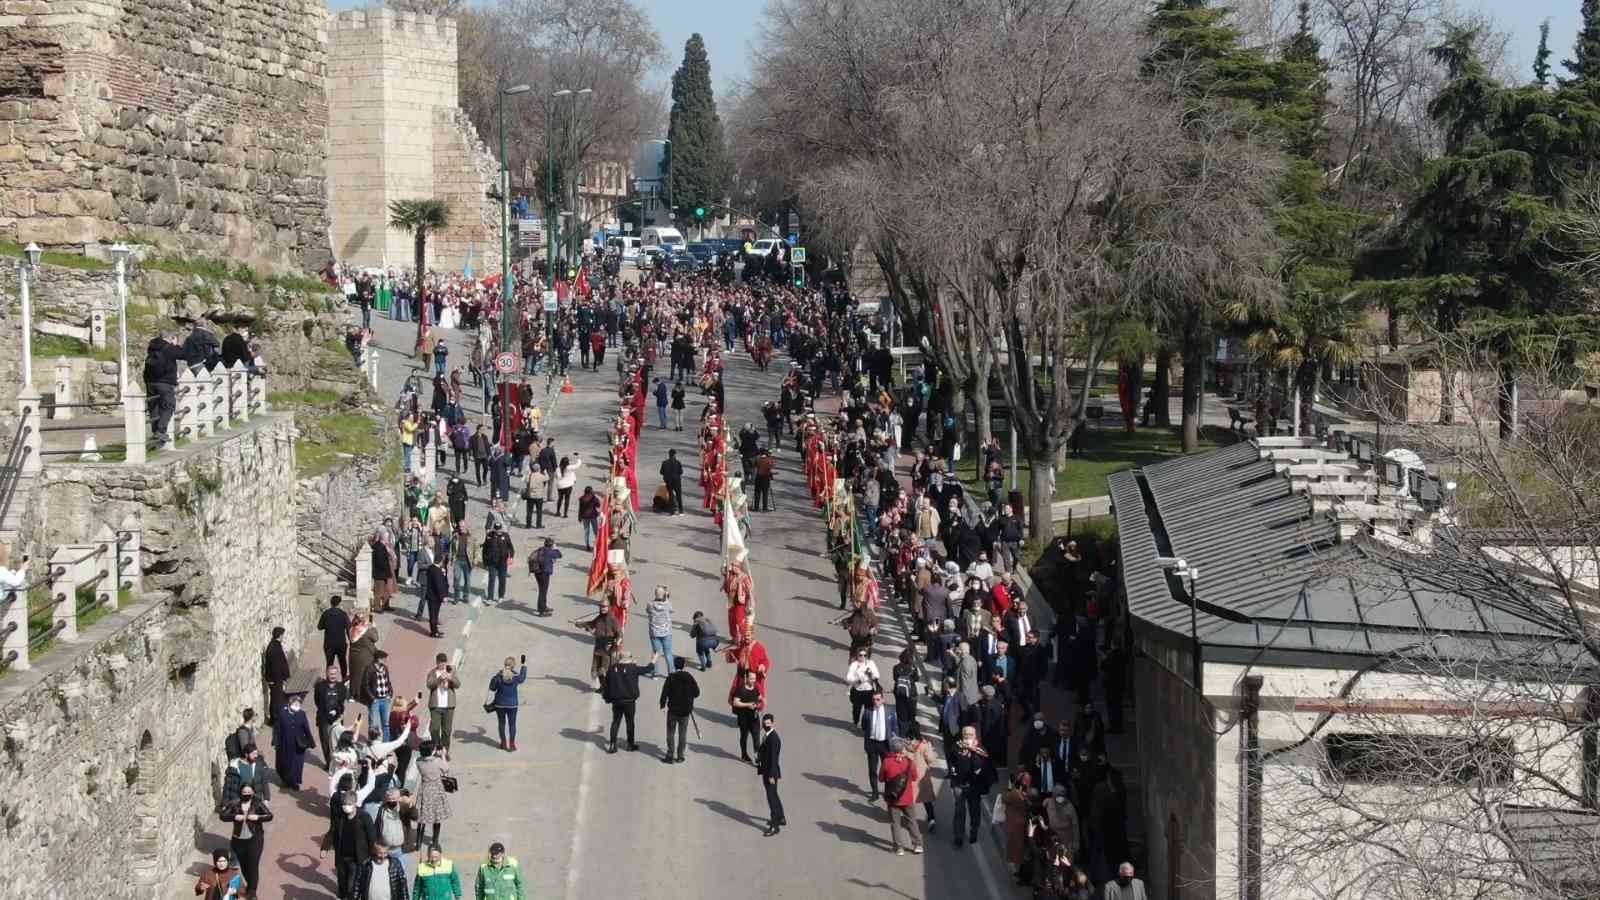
[1275,575]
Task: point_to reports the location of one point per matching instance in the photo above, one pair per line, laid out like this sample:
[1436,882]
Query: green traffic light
[699,212]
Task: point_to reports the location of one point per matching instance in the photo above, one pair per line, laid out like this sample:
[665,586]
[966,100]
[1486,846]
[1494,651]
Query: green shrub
[57,258]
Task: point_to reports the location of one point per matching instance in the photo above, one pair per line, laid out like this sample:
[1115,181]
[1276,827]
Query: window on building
[1364,758]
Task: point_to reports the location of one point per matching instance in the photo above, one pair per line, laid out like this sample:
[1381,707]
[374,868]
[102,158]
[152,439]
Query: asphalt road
[587,824]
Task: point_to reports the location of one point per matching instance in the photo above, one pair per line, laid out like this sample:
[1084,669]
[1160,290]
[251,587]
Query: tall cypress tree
[1541,57]
[1585,62]
[697,160]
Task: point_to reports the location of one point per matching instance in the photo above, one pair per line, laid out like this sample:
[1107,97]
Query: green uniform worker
[436,878]
[500,878]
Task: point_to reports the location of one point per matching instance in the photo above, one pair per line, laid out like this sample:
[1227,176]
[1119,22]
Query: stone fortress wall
[106,744]
[199,124]
[396,133]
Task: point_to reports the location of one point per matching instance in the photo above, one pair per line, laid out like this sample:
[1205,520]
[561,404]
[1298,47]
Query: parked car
[649,256]
[704,251]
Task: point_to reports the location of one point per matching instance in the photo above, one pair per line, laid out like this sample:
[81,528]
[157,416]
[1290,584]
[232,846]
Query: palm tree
[1314,331]
[419,218]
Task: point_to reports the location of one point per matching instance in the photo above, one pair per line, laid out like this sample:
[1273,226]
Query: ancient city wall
[198,124]
[394,134]
[110,745]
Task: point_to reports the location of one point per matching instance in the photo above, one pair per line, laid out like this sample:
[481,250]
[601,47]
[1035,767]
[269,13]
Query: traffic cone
[566,384]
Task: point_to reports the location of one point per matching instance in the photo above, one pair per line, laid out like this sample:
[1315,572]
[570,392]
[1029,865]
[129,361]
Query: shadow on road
[829,721]
[740,816]
[851,835]
[577,684]
[832,781]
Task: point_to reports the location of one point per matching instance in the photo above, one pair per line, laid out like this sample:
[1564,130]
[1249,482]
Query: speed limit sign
[505,363]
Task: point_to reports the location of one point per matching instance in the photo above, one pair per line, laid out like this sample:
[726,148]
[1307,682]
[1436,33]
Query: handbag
[488,702]
[450,783]
[302,743]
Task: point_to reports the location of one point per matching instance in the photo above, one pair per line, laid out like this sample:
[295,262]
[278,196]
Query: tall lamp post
[119,252]
[30,262]
[505,214]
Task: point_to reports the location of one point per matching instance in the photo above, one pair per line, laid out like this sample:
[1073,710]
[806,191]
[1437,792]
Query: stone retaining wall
[196,123]
[110,746]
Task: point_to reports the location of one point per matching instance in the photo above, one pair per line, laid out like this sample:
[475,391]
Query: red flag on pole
[602,544]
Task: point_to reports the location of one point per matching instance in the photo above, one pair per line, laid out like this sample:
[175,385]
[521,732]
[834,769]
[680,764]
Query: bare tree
[1465,763]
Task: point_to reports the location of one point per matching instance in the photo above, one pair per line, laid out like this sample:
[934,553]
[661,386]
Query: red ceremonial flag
[602,542]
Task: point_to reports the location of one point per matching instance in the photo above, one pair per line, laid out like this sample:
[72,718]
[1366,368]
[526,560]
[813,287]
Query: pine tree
[1541,57]
[697,160]
[1585,62]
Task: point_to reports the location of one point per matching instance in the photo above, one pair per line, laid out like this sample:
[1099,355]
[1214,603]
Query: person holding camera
[442,687]
[504,701]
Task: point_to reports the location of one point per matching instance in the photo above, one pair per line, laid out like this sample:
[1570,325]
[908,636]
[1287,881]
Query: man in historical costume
[618,592]
[739,588]
[750,655]
[864,586]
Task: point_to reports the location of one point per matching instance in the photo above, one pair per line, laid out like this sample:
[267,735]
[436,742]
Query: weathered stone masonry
[197,123]
[106,743]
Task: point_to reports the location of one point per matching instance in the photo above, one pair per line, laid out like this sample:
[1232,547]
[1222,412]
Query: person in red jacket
[899,779]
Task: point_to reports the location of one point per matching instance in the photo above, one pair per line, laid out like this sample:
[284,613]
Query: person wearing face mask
[291,738]
[971,775]
[382,877]
[499,878]
[248,770]
[350,836]
[1125,886]
[770,769]
[220,882]
[248,816]
[862,678]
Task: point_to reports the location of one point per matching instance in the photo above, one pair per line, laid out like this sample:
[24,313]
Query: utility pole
[505,215]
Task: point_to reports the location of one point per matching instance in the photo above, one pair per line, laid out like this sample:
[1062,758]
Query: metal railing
[11,471]
[328,554]
[76,587]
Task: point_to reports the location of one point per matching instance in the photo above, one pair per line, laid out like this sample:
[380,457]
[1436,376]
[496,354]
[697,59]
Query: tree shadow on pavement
[866,810]
[740,816]
[719,718]
[307,871]
[830,643]
[578,636]
[883,886]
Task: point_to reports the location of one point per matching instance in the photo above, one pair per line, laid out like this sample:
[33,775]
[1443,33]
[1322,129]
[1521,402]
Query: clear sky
[730,27]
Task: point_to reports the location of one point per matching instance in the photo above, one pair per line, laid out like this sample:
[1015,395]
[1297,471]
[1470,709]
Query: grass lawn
[54,258]
[1105,451]
[49,346]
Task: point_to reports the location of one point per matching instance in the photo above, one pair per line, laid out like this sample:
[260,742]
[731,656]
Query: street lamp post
[119,252]
[30,262]
[505,215]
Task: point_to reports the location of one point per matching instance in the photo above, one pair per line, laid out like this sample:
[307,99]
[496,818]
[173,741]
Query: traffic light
[699,212]
[799,276]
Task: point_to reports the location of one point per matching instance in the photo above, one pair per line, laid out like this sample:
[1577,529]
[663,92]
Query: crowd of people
[878,461]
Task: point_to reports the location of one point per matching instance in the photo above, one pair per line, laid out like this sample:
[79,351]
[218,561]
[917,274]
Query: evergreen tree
[1541,57]
[1585,62]
[697,160]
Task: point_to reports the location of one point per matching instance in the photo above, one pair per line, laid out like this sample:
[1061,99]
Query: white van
[624,245]
[664,237]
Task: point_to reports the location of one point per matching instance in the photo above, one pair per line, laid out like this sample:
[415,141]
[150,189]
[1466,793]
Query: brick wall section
[197,123]
[395,133]
[1178,759]
[464,171]
[109,745]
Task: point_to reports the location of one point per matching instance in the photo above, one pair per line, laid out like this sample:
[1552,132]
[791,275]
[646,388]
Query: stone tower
[396,133]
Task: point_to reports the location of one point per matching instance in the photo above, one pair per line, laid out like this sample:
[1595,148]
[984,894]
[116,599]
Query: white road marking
[575,858]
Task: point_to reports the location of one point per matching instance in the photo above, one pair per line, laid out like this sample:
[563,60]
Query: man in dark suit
[767,765]
[987,716]
[334,624]
[1045,771]
[672,474]
[878,725]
